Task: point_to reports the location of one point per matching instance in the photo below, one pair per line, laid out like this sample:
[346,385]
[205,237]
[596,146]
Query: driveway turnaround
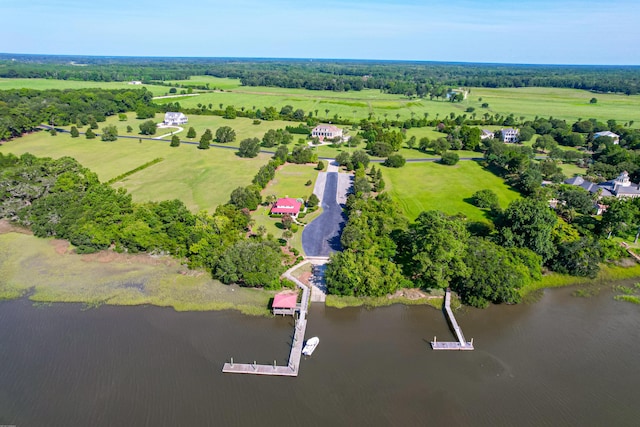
[322,236]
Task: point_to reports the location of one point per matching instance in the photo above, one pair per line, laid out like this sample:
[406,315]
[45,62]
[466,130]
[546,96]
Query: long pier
[462,343]
[293,365]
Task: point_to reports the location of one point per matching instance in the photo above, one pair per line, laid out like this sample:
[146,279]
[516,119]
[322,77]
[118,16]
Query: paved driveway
[322,236]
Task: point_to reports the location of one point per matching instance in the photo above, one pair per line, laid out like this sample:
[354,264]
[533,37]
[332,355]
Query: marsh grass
[31,265]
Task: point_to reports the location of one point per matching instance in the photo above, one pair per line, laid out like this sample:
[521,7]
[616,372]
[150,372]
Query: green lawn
[43,84]
[420,187]
[202,179]
[569,104]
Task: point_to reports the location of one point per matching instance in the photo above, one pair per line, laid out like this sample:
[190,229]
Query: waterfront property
[293,365]
[172,118]
[285,303]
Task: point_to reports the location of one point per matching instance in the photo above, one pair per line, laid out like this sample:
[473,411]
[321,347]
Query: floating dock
[462,343]
[291,370]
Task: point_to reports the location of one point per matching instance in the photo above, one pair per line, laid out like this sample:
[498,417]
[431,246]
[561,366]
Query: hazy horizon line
[8,54]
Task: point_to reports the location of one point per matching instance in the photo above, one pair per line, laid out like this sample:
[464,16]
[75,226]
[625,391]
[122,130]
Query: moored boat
[310,346]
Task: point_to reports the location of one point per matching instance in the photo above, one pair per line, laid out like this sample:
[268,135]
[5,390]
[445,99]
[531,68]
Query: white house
[326,131]
[614,136]
[135,82]
[486,134]
[509,135]
[172,119]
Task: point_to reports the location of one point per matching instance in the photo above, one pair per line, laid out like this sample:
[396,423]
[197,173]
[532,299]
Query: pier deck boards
[462,343]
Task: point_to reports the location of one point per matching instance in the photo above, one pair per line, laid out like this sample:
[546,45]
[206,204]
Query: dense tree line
[407,78]
[23,110]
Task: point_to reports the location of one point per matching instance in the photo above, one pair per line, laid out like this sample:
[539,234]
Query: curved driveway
[322,236]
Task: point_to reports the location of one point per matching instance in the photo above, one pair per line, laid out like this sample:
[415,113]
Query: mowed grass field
[202,179]
[419,187]
[568,104]
[44,84]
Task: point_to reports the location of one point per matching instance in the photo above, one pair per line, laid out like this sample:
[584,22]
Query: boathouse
[285,303]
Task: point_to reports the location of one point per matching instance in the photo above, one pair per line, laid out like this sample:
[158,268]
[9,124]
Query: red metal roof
[285,299]
[286,206]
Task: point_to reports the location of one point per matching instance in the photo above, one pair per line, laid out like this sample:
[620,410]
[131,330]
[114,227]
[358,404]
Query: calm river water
[561,361]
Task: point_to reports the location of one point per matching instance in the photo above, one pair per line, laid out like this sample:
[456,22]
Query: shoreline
[45,271]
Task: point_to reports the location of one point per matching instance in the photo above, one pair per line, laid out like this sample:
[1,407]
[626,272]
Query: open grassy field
[569,104]
[43,269]
[202,179]
[43,84]
[420,187]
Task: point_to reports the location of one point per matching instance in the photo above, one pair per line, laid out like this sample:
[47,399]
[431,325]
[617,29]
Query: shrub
[485,199]
[395,161]
[450,159]
[257,122]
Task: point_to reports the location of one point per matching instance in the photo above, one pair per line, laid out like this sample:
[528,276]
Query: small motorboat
[310,346]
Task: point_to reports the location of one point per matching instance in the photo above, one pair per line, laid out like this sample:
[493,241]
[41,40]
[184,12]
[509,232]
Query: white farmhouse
[510,134]
[172,119]
[326,131]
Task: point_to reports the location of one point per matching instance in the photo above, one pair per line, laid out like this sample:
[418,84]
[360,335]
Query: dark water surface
[561,361]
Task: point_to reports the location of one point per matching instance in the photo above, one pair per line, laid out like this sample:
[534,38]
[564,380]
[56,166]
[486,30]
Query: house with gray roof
[619,187]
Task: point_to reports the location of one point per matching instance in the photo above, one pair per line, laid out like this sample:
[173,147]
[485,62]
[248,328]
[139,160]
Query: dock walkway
[293,365]
[462,343]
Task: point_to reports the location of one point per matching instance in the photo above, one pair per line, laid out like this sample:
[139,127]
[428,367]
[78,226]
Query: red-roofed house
[287,206]
[285,302]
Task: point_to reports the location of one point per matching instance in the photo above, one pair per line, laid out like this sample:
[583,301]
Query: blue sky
[525,31]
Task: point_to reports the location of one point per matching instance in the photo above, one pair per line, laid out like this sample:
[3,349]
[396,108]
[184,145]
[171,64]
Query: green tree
[450,158]
[230,112]
[122,117]
[89,134]
[313,201]
[485,199]
[360,157]
[74,132]
[593,101]
[395,161]
[250,263]
[496,273]
[175,141]
[528,223]
[148,128]
[191,133]
[129,129]
[225,134]
[282,152]
[205,140]
[246,197]
[249,147]
[109,133]
[581,257]
[432,250]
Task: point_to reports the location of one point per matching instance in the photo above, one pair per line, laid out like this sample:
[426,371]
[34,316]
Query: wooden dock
[462,343]
[291,370]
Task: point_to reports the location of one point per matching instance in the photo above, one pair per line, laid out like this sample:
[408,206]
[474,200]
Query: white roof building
[326,131]
[171,118]
[614,136]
